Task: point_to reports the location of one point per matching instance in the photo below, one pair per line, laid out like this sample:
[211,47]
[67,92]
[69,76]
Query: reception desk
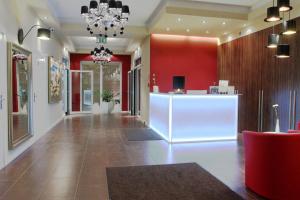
[192,118]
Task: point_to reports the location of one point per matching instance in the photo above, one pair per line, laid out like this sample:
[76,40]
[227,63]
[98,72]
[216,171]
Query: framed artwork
[54,81]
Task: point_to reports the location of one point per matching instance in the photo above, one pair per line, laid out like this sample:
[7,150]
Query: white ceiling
[156,16]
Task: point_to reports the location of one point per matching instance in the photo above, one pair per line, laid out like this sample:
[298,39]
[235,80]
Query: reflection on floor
[20,126]
[69,162]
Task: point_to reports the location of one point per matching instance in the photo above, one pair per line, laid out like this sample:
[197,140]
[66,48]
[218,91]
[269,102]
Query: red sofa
[272,164]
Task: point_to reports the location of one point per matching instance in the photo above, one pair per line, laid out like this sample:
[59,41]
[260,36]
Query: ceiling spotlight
[188,30]
[283,51]
[273,40]
[223,23]
[203,22]
[179,19]
[207,32]
[289,27]
[284,5]
[168,29]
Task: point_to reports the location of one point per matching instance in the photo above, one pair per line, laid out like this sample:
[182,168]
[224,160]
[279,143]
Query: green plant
[107,95]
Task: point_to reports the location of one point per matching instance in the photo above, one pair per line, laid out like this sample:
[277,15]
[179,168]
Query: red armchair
[272,164]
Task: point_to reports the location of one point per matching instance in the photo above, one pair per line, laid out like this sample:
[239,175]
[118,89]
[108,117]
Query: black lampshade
[103,2]
[273,14]
[93,5]
[273,40]
[289,27]
[284,5]
[283,51]
[84,10]
[112,4]
[125,9]
[119,4]
[44,33]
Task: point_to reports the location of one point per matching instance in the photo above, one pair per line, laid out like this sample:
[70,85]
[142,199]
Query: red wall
[192,57]
[75,60]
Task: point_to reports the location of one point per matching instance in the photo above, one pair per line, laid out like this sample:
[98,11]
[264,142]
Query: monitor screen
[178,82]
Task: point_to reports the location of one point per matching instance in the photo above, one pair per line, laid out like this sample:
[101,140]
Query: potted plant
[107,101]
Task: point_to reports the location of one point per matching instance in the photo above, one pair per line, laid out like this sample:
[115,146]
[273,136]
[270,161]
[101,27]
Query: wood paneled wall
[251,67]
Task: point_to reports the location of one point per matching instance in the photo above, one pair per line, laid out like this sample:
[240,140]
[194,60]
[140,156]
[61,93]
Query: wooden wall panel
[252,67]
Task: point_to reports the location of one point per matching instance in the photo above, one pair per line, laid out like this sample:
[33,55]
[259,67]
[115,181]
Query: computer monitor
[178,83]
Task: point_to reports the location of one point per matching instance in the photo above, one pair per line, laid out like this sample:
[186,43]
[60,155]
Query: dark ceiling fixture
[106,16]
[283,51]
[273,40]
[101,55]
[289,27]
[42,33]
[273,14]
[284,5]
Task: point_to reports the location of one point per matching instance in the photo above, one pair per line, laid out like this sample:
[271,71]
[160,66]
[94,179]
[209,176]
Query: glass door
[81,91]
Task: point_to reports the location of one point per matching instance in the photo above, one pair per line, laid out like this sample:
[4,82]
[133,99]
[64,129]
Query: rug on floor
[186,181]
[141,134]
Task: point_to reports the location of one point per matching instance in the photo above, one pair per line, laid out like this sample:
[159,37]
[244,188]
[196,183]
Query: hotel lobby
[149,100]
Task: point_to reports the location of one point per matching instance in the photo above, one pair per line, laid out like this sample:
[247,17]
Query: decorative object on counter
[288,27]
[155,87]
[107,101]
[214,90]
[101,55]
[178,84]
[276,111]
[54,81]
[106,16]
[42,33]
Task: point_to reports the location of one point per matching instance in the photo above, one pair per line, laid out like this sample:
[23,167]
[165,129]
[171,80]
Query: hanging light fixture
[101,55]
[289,27]
[273,14]
[284,5]
[106,16]
[273,41]
[283,51]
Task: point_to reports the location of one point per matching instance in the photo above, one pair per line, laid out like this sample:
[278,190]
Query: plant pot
[107,107]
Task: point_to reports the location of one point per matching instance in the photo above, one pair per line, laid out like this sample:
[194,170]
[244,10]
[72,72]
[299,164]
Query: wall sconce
[42,33]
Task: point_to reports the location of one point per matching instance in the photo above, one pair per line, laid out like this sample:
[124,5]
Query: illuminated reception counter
[192,118]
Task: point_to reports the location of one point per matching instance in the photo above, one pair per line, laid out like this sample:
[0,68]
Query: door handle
[259,110]
[34,97]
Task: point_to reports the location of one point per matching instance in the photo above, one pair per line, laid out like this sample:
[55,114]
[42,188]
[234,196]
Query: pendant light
[273,40]
[44,33]
[284,5]
[289,27]
[273,14]
[283,51]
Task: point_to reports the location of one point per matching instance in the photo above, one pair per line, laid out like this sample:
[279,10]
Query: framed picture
[54,81]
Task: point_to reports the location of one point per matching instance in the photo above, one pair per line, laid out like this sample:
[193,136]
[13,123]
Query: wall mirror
[19,95]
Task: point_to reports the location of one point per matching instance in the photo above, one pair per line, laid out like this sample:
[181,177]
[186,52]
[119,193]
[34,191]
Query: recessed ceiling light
[168,29]
[45,18]
[179,19]
[244,25]
[203,22]
[223,23]
[248,31]
[207,32]
[188,30]
[225,33]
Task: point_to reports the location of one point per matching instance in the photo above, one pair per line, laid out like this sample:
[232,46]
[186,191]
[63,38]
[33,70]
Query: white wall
[145,74]
[13,15]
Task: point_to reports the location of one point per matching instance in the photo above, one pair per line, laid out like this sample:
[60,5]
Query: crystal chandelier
[105,16]
[101,55]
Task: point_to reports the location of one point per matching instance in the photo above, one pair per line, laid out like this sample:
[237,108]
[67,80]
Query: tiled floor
[69,163]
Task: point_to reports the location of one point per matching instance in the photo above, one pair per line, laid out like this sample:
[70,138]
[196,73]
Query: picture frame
[54,81]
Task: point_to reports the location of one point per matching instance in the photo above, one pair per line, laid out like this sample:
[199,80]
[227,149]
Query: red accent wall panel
[192,57]
[75,60]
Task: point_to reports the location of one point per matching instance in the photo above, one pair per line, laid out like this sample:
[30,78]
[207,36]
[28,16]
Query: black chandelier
[101,55]
[105,17]
[288,27]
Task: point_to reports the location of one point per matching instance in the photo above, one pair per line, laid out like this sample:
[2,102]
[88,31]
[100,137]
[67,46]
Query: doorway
[134,88]
[81,91]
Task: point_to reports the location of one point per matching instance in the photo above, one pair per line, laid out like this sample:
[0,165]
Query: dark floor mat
[141,134]
[166,182]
